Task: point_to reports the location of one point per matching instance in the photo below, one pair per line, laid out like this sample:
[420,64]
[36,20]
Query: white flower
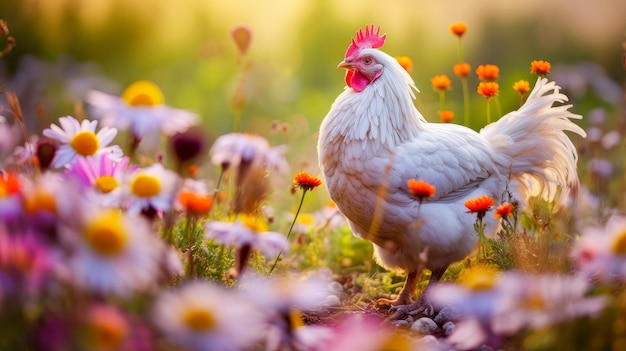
[113,253]
[200,316]
[282,293]
[140,109]
[247,230]
[601,252]
[81,139]
[234,149]
[101,177]
[152,187]
[474,294]
[536,301]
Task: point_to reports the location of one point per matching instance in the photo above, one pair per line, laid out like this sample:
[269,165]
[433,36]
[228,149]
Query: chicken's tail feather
[532,145]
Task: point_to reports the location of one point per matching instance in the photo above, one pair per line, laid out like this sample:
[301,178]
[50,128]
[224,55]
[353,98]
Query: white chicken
[373,140]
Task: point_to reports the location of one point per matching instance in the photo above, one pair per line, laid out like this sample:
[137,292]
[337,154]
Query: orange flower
[479,205]
[458,28]
[421,189]
[195,204]
[305,181]
[488,72]
[521,86]
[193,170]
[462,69]
[405,62]
[488,89]
[446,116]
[440,82]
[9,184]
[540,67]
[504,210]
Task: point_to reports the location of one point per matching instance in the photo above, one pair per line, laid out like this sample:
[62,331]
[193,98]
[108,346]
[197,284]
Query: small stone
[425,326]
[446,314]
[448,328]
[332,301]
[410,320]
[400,324]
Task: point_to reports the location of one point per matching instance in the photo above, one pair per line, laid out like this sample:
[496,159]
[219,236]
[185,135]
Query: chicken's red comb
[368,39]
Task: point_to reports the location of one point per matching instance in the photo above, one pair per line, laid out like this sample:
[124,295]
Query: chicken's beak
[345,65]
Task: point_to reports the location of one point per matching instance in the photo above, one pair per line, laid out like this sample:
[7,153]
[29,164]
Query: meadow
[160,187]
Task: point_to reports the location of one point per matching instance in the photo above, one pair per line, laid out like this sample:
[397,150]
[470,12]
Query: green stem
[460,51]
[190,228]
[498,109]
[442,100]
[219,182]
[481,239]
[290,229]
[466,102]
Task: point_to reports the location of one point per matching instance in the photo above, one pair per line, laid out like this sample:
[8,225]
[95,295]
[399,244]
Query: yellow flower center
[143,93]
[478,278]
[106,184]
[106,235]
[619,244]
[255,223]
[85,143]
[396,342]
[40,201]
[199,319]
[145,185]
[295,319]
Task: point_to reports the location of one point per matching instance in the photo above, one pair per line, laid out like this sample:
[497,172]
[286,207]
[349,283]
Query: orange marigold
[462,69]
[195,204]
[488,89]
[440,82]
[458,28]
[421,189]
[480,204]
[504,210]
[305,181]
[521,86]
[488,72]
[446,116]
[540,67]
[405,62]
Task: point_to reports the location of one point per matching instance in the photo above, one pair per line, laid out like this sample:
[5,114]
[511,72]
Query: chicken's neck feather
[383,113]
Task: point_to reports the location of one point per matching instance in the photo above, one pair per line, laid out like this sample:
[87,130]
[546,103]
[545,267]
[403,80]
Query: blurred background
[289,79]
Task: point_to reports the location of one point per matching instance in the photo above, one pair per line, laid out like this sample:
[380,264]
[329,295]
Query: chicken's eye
[367,60]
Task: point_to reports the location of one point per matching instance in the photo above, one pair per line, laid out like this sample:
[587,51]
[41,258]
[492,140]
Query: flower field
[143,213]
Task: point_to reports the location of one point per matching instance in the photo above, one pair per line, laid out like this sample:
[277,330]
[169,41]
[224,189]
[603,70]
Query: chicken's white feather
[373,141]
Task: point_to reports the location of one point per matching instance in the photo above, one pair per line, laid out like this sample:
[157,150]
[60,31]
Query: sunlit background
[65,47]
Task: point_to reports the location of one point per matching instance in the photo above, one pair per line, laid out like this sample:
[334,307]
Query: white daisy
[601,251]
[283,293]
[537,301]
[151,187]
[113,253]
[81,139]
[234,149]
[101,177]
[200,316]
[247,230]
[141,109]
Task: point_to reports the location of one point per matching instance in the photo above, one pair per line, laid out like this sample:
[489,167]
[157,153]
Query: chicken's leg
[401,308]
[406,294]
